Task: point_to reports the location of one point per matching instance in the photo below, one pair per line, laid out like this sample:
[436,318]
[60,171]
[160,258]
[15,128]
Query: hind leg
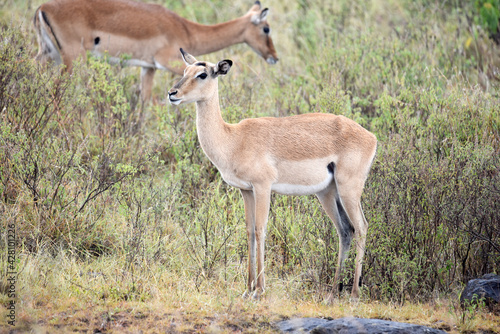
[72,51]
[360,252]
[147,76]
[332,204]
[350,192]
[360,224]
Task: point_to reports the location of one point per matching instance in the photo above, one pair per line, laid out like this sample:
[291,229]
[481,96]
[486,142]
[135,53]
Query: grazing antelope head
[149,34]
[322,154]
[258,35]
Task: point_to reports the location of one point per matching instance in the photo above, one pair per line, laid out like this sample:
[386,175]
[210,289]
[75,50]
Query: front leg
[164,59]
[249,200]
[168,58]
[262,202]
[147,75]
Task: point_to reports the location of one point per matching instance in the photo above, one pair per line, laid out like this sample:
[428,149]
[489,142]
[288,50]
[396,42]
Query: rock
[353,326]
[486,288]
[301,324]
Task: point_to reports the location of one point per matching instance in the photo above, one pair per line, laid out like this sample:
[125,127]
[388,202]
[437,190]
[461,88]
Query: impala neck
[205,39]
[213,132]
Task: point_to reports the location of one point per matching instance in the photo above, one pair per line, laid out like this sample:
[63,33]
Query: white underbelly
[124,61]
[302,189]
[127,51]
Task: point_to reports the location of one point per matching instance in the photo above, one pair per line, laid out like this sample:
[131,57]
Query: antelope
[147,33]
[322,154]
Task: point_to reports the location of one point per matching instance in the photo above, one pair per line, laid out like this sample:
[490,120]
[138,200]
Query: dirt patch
[130,321]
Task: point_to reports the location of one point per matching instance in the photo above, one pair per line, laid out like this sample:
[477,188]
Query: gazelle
[147,33]
[322,154]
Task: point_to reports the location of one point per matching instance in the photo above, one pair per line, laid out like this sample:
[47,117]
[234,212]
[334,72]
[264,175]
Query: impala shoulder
[255,122]
[156,8]
[262,128]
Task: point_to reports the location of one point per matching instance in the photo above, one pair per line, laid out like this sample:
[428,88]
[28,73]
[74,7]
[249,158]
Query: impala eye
[267,30]
[202,76]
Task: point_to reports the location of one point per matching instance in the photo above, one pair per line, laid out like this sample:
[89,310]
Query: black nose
[172,93]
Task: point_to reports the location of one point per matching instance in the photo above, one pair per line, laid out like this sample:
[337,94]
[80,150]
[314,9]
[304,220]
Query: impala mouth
[174,101]
[271,60]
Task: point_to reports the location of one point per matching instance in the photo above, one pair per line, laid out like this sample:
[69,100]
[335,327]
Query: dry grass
[64,295]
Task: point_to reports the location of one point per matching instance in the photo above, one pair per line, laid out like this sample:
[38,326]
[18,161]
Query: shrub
[57,157]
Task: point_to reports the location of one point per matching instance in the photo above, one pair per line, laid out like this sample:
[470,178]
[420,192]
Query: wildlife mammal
[147,33]
[322,154]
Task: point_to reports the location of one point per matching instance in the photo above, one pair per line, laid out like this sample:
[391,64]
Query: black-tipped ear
[259,17]
[188,59]
[223,67]
[263,14]
[256,7]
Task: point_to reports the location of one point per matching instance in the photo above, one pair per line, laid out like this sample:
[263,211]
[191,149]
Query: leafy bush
[58,155]
[489,14]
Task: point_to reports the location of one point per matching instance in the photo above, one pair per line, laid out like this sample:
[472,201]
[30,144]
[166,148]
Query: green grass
[123,226]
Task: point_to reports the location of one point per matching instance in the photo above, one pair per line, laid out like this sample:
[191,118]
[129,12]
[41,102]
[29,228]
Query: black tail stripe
[345,222]
[44,16]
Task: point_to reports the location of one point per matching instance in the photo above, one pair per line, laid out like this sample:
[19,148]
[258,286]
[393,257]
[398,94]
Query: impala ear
[256,6]
[188,59]
[222,67]
[259,17]
[263,14]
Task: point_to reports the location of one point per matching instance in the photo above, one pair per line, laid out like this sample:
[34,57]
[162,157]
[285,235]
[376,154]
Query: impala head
[258,34]
[199,81]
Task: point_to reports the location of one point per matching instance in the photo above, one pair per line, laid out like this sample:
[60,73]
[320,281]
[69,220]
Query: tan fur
[289,155]
[150,34]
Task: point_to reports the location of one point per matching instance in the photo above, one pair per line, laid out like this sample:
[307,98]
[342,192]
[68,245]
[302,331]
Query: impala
[322,154]
[139,34]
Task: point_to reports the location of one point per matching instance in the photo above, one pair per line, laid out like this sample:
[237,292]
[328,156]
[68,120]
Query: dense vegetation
[112,201]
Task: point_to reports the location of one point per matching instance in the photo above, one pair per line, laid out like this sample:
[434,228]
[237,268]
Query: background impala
[149,34]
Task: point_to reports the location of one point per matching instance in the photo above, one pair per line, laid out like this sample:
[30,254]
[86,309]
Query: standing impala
[150,35]
[322,154]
